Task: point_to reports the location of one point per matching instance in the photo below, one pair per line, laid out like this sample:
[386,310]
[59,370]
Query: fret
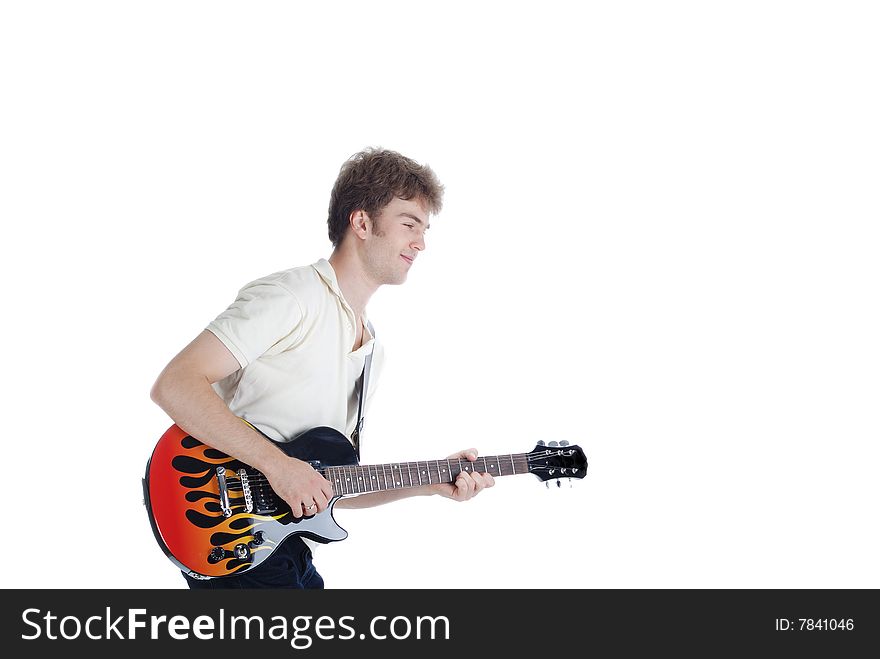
[384,478]
[328,474]
[337,480]
[512,465]
[419,473]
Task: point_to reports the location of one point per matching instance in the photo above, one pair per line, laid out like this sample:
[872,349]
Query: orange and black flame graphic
[185,508]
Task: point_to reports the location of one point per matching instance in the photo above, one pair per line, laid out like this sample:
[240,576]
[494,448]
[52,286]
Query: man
[287,354]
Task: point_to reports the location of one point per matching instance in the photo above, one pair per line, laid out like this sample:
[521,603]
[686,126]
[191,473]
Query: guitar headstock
[557,460]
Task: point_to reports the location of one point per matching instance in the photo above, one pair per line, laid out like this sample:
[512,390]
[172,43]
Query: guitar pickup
[263,499]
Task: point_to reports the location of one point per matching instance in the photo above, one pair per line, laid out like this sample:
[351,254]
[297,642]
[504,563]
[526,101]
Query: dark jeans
[290,566]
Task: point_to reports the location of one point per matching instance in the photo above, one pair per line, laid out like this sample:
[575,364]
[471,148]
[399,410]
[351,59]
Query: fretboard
[360,479]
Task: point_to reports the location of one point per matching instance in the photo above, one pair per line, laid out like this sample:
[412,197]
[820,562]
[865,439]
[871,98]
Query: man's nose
[418,243]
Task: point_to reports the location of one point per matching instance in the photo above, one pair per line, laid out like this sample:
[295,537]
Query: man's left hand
[468,483]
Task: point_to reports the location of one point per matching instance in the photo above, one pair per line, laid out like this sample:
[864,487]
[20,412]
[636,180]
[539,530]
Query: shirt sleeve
[263,313]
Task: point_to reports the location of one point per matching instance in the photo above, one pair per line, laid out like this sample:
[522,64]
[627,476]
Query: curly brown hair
[370,179]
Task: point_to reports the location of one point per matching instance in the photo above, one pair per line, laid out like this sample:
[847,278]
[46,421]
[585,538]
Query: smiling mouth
[407,259]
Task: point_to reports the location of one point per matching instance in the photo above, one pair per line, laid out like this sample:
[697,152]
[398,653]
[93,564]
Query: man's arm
[183,390]
[466,486]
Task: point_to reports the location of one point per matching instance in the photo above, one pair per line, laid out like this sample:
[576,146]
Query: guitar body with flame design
[214,516]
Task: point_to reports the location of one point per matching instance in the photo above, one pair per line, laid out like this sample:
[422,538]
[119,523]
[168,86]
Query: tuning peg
[563,443]
[540,442]
[547,484]
[558,483]
[554,443]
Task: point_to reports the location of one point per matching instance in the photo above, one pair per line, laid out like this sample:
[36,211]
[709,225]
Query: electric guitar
[215,516]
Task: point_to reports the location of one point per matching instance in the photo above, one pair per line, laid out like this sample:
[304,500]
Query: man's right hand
[305,490]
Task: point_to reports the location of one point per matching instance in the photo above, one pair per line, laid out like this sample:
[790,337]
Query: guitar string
[257,479]
[409,469]
[402,465]
[378,471]
[405,475]
[517,458]
[416,466]
[238,487]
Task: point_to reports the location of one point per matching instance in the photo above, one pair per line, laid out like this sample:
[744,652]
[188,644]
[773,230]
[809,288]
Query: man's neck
[353,281]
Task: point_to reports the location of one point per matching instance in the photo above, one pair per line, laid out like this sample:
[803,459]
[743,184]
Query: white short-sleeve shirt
[292,333]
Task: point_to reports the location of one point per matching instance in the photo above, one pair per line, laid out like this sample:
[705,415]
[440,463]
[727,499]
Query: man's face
[396,238]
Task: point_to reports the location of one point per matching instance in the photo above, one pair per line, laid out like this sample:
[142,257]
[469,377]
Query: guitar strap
[364,382]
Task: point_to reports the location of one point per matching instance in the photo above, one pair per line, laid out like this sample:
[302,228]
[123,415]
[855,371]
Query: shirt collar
[328,274]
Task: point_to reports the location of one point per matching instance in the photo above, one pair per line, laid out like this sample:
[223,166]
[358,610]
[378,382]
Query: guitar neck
[361,479]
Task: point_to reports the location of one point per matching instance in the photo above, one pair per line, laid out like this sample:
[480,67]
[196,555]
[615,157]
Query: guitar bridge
[224,492]
[246,491]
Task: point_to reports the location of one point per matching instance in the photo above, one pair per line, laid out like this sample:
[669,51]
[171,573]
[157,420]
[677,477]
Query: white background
[659,243]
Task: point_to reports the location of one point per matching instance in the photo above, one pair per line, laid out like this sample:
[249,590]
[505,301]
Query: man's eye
[409,225]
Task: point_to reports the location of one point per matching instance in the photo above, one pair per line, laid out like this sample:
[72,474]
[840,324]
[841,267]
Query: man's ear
[359,222]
